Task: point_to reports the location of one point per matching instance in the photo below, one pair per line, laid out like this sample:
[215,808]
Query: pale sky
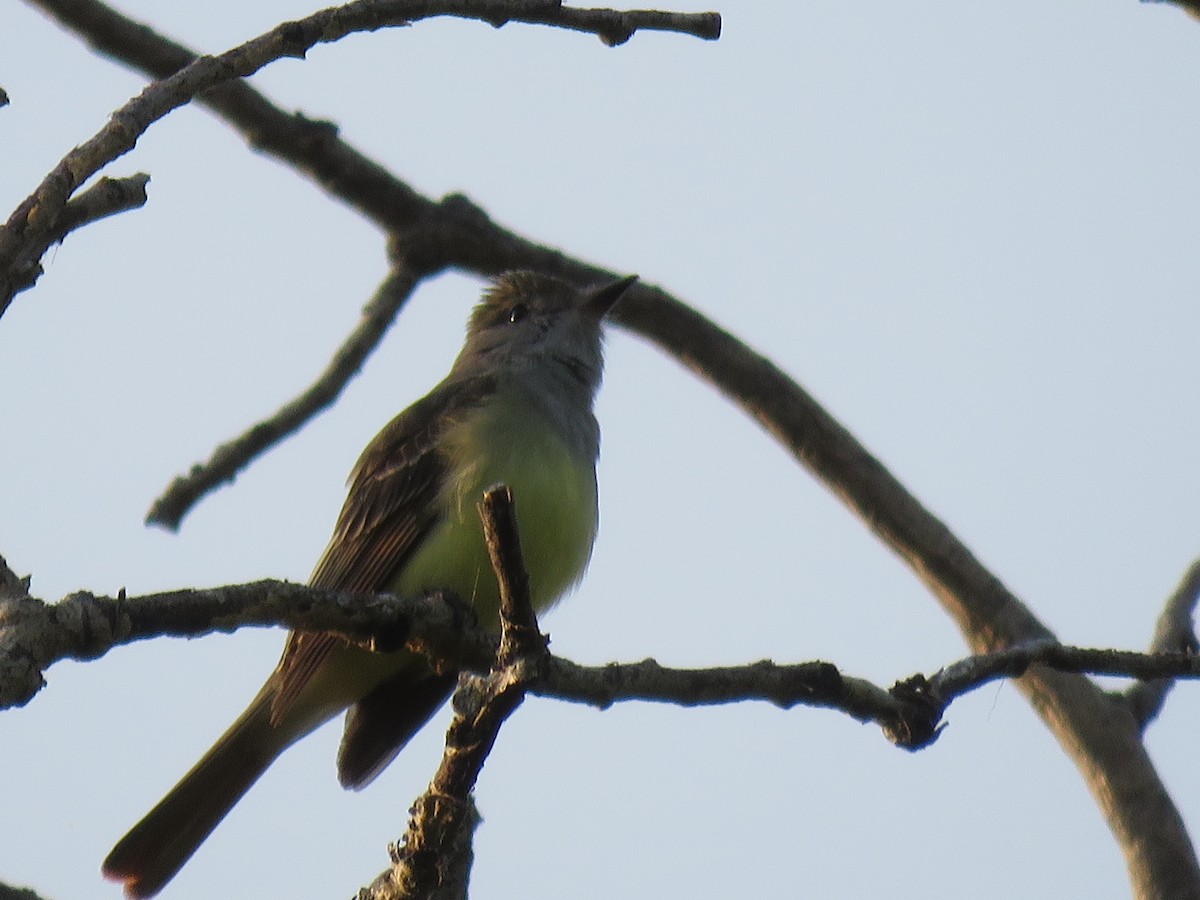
[970,230]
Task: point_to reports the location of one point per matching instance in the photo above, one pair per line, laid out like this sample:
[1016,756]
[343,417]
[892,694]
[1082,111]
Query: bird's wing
[390,508]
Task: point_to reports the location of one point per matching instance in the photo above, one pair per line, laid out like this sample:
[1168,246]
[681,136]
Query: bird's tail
[158,846]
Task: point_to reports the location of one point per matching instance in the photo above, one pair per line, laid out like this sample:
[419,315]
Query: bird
[516,407]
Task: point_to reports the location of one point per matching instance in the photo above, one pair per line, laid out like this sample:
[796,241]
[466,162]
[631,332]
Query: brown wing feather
[388,511]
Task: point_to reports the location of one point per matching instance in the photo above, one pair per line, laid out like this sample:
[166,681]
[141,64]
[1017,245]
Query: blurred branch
[107,197]
[30,230]
[11,893]
[1175,632]
[1191,7]
[230,458]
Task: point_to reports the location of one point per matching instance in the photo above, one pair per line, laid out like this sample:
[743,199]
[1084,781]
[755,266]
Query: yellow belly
[555,498]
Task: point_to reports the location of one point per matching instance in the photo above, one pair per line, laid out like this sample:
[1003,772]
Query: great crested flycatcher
[517,408]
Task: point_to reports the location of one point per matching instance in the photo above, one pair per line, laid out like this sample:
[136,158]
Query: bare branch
[107,197]
[30,229]
[34,635]
[1175,632]
[433,859]
[230,458]
[910,712]
[520,633]
[615,28]
[818,684]
[976,671]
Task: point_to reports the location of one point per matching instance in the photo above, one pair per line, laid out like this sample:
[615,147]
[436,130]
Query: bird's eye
[517,313]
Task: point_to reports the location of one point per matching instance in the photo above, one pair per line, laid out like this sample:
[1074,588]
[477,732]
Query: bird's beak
[599,301]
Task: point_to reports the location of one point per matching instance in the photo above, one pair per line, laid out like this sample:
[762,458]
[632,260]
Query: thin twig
[615,27]
[107,197]
[1175,632]
[230,458]
[520,635]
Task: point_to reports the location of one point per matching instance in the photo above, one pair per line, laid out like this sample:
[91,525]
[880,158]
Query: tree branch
[29,231]
[910,712]
[34,635]
[1175,632]
[230,458]
[434,857]
[107,197]
[520,634]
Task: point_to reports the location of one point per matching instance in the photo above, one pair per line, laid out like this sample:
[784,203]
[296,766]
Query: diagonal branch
[1106,748]
[230,458]
[1175,632]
